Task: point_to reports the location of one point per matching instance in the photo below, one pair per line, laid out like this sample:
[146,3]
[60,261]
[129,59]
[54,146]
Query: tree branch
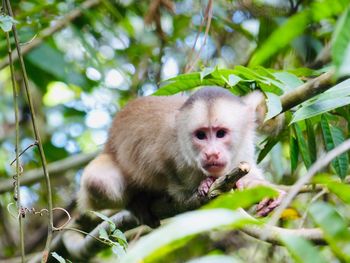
[57,168]
[274,233]
[307,90]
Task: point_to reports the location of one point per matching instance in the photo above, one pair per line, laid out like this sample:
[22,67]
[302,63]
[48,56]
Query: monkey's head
[216,130]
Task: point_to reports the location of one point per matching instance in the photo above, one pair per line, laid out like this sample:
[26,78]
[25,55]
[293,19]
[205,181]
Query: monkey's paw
[269,204]
[204,186]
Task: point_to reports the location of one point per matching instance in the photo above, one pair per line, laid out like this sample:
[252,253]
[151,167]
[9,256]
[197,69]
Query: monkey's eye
[200,135]
[221,133]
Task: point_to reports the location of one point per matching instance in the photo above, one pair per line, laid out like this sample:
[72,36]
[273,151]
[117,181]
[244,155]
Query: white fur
[103,173]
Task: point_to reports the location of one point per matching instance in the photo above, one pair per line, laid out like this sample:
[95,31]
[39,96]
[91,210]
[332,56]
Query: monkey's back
[142,140]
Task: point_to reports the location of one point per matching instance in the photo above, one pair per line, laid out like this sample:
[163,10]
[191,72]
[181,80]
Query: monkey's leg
[102,185]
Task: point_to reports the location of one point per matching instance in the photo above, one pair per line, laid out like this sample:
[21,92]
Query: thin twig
[22,152]
[85,234]
[17,194]
[190,56]
[313,199]
[228,182]
[208,17]
[36,134]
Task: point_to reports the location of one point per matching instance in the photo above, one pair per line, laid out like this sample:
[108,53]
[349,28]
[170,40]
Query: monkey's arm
[186,199]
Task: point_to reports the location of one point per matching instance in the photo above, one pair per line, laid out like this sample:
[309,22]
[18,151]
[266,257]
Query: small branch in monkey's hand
[165,207]
[226,183]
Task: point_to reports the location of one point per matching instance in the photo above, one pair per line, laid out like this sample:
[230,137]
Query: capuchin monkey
[174,145]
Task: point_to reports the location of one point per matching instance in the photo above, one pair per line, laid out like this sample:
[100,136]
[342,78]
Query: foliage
[83,69]
[115,238]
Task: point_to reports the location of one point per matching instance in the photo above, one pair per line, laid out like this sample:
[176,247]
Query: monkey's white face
[212,135]
[212,144]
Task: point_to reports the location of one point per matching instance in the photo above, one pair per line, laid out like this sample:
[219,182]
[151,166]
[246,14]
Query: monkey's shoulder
[147,122]
[152,111]
[155,103]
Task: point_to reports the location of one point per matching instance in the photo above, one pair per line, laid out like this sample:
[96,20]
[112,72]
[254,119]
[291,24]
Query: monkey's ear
[256,103]
[253,99]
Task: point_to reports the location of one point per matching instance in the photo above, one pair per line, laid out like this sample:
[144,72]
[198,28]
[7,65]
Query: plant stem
[37,137]
[17,189]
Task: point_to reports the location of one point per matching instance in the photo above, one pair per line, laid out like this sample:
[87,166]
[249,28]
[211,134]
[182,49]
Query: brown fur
[150,148]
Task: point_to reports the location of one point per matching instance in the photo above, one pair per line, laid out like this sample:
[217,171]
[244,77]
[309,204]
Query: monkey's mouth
[214,168]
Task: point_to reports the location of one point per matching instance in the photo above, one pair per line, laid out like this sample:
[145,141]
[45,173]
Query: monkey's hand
[203,188]
[267,205]
[226,183]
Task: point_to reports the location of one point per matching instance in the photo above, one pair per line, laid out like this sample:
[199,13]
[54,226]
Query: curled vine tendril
[23,211]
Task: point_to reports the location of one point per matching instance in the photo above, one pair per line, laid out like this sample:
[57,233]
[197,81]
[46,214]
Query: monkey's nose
[212,156]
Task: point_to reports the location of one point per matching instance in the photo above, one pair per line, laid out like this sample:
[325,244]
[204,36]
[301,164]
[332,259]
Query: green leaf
[233,80]
[240,80]
[333,137]
[304,72]
[171,251]
[319,107]
[120,237]
[205,72]
[274,106]
[341,190]
[311,140]
[281,37]
[52,61]
[244,199]
[289,80]
[334,228]
[327,8]
[294,153]
[183,225]
[302,250]
[342,89]
[263,77]
[118,250]
[215,258]
[341,44]
[246,73]
[295,26]
[105,218]
[304,150]
[186,82]
[58,257]
[103,233]
[6,22]
[335,97]
[270,142]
